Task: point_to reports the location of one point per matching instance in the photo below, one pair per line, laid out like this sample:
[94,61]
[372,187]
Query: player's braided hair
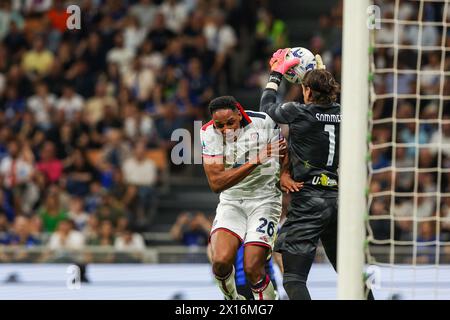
[323,86]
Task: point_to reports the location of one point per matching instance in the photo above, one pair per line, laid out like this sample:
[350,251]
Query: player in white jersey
[241,152]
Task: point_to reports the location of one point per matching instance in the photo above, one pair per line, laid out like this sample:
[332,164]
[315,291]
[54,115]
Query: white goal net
[408,224]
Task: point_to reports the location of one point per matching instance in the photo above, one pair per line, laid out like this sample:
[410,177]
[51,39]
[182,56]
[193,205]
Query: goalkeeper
[313,159]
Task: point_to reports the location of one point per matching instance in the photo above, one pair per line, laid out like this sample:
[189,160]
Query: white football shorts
[253,221]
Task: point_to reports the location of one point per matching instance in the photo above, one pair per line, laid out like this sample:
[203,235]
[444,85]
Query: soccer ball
[307,62]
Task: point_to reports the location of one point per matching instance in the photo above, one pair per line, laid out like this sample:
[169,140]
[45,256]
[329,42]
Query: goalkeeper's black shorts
[308,220]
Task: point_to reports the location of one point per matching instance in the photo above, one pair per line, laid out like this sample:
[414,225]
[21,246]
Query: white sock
[264,290]
[227,285]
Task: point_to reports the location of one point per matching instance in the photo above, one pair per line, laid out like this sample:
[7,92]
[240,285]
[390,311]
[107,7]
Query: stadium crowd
[81,109]
[420,165]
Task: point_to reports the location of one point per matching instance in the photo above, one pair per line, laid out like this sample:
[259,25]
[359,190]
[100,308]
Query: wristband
[275,77]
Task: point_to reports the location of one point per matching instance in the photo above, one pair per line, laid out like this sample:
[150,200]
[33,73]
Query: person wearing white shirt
[42,104]
[14,169]
[134,33]
[220,36]
[145,11]
[65,238]
[120,54]
[441,139]
[70,102]
[140,173]
[130,247]
[175,14]
[139,170]
[129,241]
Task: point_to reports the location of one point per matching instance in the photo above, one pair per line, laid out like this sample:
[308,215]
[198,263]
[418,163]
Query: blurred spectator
[66,237]
[13,105]
[91,228]
[271,34]
[35,6]
[140,81]
[145,11]
[426,242]
[4,225]
[110,209]
[151,58]
[137,124]
[134,34]
[191,230]
[222,39]
[129,241]
[20,234]
[199,83]
[115,150]
[141,173]
[130,247]
[16,172]
[441,138]
[445,216]
[105,235]
[77,214]
[48,164]
[42,104]
[79,173]
[94,198]
[95,106]
[175,13]
[159,34]
[94,53]
[381,226]
[21,239]
[425,207]
[168,122]
[57,16]
[430,75]
[70,102]
[120,54]
[380,159]
[38,60]
[52,213]
[8,16]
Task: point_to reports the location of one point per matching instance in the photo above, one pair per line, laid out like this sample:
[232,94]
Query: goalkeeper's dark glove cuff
[275,77]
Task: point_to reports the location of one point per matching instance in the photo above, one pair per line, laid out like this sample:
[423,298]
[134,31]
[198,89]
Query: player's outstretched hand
[288,184]
[280,64]
[277,149]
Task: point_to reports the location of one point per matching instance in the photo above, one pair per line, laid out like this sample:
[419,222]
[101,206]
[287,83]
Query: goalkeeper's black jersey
[313,142]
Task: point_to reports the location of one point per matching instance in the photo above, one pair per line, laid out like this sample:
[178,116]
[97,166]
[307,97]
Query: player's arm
[220,179]
[288,184]
[279,112]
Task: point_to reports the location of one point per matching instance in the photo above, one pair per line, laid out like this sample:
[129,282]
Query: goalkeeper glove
[279,65]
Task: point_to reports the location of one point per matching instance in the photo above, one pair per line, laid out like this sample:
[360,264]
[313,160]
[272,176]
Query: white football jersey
[257,130]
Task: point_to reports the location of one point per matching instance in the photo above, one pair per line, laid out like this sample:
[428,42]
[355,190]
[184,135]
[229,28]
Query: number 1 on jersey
[330,129]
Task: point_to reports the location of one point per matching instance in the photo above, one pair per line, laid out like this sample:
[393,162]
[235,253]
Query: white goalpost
[353,150]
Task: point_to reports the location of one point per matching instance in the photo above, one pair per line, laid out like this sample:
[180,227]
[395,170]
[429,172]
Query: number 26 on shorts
[270,227]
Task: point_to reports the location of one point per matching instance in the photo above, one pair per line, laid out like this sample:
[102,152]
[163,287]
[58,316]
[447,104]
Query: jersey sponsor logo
[324,180]
[324,117]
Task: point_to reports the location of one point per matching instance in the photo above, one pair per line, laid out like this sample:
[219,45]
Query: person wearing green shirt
[52,213]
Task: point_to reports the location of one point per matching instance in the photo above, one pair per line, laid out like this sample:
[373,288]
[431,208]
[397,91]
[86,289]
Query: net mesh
[408,222]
